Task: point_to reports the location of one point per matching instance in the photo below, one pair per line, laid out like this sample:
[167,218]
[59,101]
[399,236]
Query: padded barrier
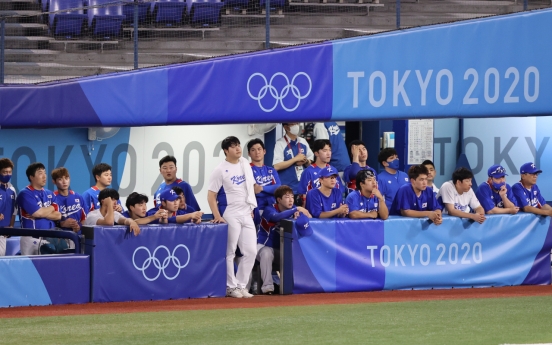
[407,253]
[163,262]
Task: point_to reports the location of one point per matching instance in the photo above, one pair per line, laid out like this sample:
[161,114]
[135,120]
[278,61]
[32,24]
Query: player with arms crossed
[103,177]
[527,193]
[70,204]
[366,201]
[495,195]
[8,196]
[327,201]
[231,197]
[458,197]
[168,169]
[415,200]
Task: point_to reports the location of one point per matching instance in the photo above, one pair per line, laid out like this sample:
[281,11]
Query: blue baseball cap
[168,195]
[328,171]
[529,168]
[302,226]
[496,171]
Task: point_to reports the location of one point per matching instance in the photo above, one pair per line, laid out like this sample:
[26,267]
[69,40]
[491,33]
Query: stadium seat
[168,12]
[128,11]
[237,4]
[204,12]
[273,4]
[105,21]
[67,24]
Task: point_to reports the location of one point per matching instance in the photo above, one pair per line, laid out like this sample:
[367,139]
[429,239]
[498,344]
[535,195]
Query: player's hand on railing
[304,211]
[218,219]
[134,227]
[514,210]
[161,214]
[480,218]
[70,223]
[196,217]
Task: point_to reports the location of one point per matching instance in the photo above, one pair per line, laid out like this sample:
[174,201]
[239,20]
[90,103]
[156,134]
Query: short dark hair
[362,175]
[428,162]
[135,198]
[166,159]
[108,193]
[5,163]
[178,190]
[417,170]
[59,172]
[229,141]
[254,142]
[281,191]
[461,174]
[32,168]
[99,169]
[319,144]
[385,154]
[355,142]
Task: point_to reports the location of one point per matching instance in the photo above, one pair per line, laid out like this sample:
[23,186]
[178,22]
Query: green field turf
[474,321]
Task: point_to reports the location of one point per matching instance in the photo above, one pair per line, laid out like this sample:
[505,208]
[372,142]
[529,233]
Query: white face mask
[294,129]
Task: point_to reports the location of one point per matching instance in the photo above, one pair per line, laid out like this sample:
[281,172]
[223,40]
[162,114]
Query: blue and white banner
[406,253]
[163,262]
[467,69]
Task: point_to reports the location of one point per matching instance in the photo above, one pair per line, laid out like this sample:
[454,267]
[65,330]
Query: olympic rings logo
[279,96]
[161,266]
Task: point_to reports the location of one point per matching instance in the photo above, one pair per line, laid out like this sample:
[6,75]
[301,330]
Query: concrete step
[27,42]
[185,45]
[21,16]
[26,29]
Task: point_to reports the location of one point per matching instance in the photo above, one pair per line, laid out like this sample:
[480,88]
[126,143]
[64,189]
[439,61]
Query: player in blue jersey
[291,155]
[359,156]
[37,209]
[431,173]
[8,196]
[103,177]
[183,208]
[70,204]
[327,201]
[268,237]
[137,209]
[167,168]
[309,179]
[390,179]
[458,198]
[231,197]
[527,193]
[366,201]
[267,179]
[170,202]
[330,130]
[415,200]
[495,195]
[106,214]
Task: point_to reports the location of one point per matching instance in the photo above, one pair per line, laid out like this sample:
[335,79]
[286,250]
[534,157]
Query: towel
[249,182]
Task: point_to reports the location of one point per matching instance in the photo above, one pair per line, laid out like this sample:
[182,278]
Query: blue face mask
[394,164]
[5,178]
[497,186]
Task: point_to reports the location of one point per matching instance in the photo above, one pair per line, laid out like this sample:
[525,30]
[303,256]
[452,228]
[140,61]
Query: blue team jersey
[268,178]
[406,199]
[126,215]
[318,202]
[7,203]
[268,232]
[70,206]
[188,193]
[489,198]
[90,199]
[288,176]
[309,179]
[358,202]
[528,197]
[188,209]
[31,200]
[349,175]
[340,156]
[389,184]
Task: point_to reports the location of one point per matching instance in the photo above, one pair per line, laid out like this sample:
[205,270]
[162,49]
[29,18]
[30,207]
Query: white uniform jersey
[228,181]
[463,202]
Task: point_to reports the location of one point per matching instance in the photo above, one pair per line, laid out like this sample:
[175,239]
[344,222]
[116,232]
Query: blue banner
[406,253]
[472,72]
[163,262]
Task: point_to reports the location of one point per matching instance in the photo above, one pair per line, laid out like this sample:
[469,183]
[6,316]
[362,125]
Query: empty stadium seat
[168,12]
[204,12]
[105,21]
[67,24]
[273,4]
[128,11]
[236,4]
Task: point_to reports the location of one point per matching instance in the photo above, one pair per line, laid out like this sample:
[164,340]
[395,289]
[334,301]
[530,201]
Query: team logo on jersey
[334,205]
[237,179]
[270,91]
[424,205]
[333,130]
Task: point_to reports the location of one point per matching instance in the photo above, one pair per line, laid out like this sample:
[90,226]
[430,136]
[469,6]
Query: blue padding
[21,284]
[163,262]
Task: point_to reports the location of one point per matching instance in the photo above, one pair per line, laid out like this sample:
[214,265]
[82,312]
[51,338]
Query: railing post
[2,48]
[267,25]
[398,10]
[135,32]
